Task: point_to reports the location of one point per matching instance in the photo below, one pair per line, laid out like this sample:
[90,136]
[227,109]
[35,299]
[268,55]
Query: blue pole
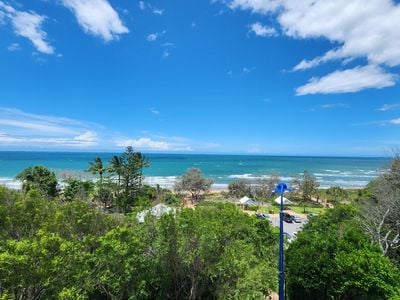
[281,269]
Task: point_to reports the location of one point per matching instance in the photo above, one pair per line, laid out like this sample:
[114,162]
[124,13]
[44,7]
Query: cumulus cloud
[348,81]
[97,17]
[358,29]
[28,25]
[261,30]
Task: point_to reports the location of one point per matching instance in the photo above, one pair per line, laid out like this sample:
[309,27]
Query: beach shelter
[246,201]
[156,211]
[285,201]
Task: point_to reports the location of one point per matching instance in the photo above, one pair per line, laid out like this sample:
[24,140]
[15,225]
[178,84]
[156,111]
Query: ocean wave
[163,181]
[10,183]
[344,174]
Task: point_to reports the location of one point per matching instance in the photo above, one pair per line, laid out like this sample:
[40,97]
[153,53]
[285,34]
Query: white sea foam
[344,174]
[163,181]
[10,183]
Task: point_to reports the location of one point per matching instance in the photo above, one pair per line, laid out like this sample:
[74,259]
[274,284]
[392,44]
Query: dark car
[287,218]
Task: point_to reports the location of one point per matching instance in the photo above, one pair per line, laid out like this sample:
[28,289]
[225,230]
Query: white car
[296,219]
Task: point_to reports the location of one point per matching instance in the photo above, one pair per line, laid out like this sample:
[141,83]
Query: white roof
[285,201]
[247,200]
[156,211]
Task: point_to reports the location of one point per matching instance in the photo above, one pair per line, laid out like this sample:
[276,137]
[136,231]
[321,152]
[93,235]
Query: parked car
[287,218]
[296,219]
[263,216]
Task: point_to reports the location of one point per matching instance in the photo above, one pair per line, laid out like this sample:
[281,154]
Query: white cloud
[395,121]
[28,25]
[258,6]
[166,53]
[142,5]
[358,29]
[262,30]
[152,37]
[157,11]
[389,107]
[154,111]
[14,47]
[97,17]
[145,143]
[348,81]
[41,131]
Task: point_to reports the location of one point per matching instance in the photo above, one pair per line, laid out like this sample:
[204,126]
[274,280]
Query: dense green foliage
[70,250]
[78,189]
[39,178]
[332,258]
[75,244]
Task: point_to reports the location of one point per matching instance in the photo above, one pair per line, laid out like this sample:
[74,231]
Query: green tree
[239,188]
[336,194]
[308,187]
[77,189]
[194,183]
[115,168]
[96,167]
[132,164]
[332,258]
[40,178]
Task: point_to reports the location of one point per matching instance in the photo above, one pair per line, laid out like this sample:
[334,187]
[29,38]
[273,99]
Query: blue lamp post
[280,189]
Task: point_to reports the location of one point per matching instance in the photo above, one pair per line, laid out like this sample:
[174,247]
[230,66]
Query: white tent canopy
[285,201]
[247,201]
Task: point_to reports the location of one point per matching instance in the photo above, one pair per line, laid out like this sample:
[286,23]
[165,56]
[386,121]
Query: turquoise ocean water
[165,168]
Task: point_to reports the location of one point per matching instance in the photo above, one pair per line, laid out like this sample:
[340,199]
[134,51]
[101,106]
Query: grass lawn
[296,209]
[315,210]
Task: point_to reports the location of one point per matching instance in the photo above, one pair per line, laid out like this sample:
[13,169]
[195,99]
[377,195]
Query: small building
[246,202]
[156,211]
[285,201]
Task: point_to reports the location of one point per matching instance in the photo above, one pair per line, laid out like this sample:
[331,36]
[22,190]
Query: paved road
[288,227]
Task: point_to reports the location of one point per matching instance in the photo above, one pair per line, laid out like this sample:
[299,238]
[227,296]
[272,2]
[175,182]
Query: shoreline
[215,188]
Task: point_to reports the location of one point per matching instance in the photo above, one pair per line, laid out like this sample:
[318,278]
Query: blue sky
[229,76]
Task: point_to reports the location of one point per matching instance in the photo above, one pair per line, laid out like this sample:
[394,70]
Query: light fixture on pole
[280,189]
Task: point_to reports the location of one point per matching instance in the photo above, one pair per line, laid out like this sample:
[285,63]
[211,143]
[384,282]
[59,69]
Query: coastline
[215,188]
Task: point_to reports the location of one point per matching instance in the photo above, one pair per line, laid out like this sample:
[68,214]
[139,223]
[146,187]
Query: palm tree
[96,167]
[116,167]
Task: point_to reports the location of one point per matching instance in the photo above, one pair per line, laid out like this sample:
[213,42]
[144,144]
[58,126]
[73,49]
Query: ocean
[166,168]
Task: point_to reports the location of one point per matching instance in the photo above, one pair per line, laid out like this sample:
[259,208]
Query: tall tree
[40,178]
[96,167]
[132,164]
[115,167]
[142,162]
[380,213]
[308,187]
[194,183]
